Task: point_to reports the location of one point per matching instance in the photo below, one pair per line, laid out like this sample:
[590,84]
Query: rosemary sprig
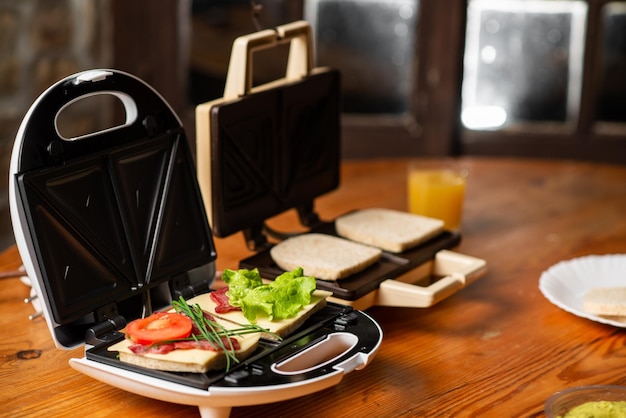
[212,331]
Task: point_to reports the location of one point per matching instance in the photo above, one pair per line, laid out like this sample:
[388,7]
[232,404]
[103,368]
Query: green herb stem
[212,331]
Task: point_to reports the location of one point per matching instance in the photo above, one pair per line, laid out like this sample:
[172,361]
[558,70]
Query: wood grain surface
[497,348]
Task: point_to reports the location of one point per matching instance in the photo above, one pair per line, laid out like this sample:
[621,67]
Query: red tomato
[161,326]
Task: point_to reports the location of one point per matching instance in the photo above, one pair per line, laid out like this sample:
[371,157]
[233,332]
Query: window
[545,78]
[542,78]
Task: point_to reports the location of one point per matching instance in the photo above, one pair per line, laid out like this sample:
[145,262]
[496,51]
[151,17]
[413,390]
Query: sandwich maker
[262,150]
[111,227]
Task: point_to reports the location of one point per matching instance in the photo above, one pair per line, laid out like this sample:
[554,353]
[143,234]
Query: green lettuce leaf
[280,299]
[240,282]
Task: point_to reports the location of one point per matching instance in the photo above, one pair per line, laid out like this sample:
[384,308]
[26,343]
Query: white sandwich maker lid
[111,226]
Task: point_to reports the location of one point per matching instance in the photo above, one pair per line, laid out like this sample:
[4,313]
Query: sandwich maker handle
[395,293]
[146,113]
[458,270]
[299,64]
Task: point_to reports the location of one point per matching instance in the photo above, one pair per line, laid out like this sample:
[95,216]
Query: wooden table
[497,348]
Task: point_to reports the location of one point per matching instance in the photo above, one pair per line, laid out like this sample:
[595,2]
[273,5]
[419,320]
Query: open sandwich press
[266,149]
[111,227]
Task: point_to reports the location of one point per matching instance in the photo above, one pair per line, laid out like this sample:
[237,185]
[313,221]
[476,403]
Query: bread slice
[192,360]
[391,230]
[605,301]
[323,256]
[281,328]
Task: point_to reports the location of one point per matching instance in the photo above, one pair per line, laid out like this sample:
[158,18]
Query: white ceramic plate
[566,283]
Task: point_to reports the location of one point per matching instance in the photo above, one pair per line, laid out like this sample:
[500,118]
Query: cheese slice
[192,360]
[282,327]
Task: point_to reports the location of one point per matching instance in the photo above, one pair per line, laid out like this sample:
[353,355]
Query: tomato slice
[160,326]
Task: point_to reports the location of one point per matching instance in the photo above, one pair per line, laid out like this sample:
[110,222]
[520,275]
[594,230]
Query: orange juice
[437,193]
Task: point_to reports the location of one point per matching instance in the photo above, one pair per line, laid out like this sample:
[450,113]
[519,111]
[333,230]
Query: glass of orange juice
[437,190]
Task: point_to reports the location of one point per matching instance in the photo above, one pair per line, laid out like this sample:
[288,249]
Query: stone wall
[41,42]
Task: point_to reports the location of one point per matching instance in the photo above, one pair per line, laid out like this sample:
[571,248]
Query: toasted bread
[390,230]
[323,256]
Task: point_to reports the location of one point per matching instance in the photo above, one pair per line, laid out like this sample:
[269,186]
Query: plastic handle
[130,110]
[458,270]
[332,348]
[89,80]
[394,293]
[299,63]
[38,136]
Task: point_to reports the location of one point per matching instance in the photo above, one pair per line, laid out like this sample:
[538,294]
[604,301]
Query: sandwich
[215,332]
[227,345]
[606,301]
[387,229]
[324,256]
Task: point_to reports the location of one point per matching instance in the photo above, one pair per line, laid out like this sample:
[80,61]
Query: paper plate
[566,283]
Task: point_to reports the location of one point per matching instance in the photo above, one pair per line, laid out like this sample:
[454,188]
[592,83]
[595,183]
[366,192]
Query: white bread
[323,256]
[193,360]
[391,230]
[282,327]
[607,301]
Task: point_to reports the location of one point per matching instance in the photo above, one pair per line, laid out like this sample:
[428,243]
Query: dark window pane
[611,106]
[372,44]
